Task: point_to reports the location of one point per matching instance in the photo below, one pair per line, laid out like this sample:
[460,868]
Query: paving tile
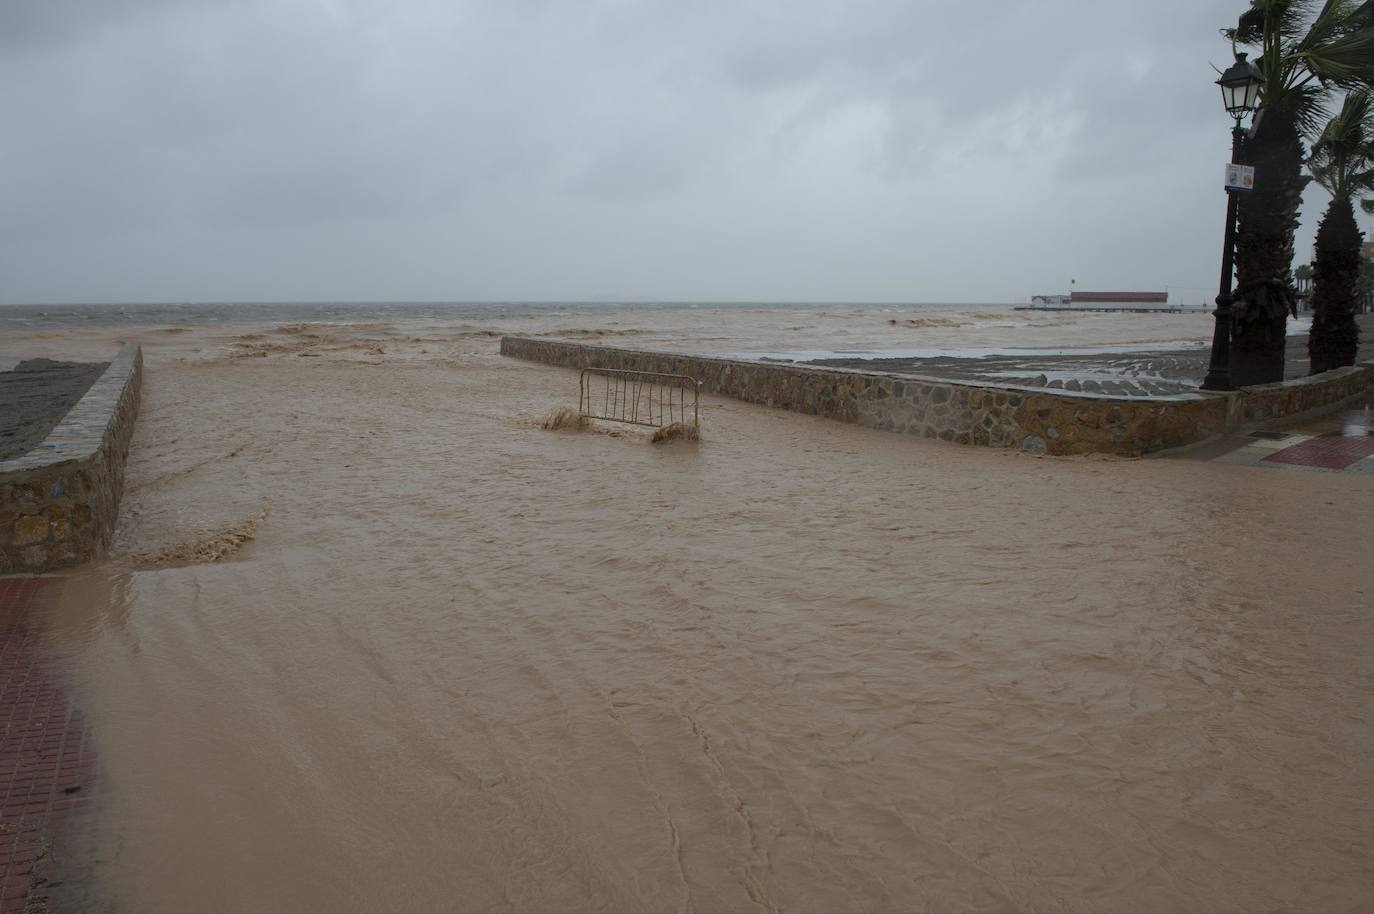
[1246,455]
[1341,442]
[1213,450]
[1332,451]
[1277,444]
[45,757]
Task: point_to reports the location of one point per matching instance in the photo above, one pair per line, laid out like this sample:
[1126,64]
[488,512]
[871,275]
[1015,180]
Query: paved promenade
[1339,442]
[47,767]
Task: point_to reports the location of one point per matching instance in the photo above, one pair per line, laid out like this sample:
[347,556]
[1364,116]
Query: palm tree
[1302,274]
[1305,52]
[1342,161]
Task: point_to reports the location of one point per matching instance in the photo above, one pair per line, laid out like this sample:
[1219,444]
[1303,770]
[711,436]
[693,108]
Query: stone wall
[58,502]
[1304,395]
[993,415]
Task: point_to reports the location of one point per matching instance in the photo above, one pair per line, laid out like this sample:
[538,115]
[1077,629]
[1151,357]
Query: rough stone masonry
[992,415]
[59,501]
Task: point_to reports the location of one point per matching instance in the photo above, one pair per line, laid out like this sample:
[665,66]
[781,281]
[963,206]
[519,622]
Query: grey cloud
[723,149]
[34,25]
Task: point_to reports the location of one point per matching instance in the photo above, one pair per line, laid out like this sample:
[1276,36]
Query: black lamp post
[1240,88]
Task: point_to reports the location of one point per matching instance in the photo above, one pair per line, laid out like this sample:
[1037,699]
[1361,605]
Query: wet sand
[1149,373]
[372,640]
[34,396]
[1144,373]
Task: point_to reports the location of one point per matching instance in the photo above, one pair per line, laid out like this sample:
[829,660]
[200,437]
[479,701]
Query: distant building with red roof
[1120,298]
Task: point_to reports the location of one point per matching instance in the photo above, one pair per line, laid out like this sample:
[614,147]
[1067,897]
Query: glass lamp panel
[1232,97]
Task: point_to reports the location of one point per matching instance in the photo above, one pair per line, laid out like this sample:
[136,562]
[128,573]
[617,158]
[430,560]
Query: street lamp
[1240,89]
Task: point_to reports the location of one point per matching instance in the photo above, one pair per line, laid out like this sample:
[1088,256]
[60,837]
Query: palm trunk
[1335,336]
[1264,251]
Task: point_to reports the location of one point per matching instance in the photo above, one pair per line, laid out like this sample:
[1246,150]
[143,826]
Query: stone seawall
[1305,395]
[58,502]
[992,415]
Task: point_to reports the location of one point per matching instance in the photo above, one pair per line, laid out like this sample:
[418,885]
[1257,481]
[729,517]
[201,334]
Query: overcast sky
[817,150]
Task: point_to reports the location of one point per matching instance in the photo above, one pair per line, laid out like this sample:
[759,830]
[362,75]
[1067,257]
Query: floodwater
[374,641]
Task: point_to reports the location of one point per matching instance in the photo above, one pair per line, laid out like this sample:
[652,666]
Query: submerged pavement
[47,761]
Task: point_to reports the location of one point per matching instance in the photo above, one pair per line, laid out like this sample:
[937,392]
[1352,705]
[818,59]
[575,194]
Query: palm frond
[1291,18]
[1349,130]
[1342,160]
[1250,28]
[1269,17]
[1306,48]
[1326,176]
[1345,60]
[1361,183]
[1306,105]
[1328,26]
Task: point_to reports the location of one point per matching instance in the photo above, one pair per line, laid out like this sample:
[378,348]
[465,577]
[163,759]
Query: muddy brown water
[374,641]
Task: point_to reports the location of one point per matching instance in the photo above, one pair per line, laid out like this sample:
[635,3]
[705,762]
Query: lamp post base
[1219,367]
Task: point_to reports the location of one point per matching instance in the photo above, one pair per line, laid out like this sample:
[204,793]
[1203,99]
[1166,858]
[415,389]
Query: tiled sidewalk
[1340,442]
[47,766]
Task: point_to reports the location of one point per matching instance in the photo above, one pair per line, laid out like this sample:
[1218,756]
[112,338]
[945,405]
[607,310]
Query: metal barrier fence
[639,397]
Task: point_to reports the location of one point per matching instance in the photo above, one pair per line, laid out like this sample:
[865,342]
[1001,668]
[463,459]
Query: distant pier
[1127,302]
[1117,308]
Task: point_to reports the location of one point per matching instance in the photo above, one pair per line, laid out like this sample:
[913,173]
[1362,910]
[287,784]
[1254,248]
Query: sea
[142,314]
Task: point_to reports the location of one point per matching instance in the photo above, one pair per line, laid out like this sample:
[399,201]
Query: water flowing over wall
[992,415]
[58,502]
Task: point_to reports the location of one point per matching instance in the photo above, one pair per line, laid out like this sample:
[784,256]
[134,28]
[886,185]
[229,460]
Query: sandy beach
[372,640]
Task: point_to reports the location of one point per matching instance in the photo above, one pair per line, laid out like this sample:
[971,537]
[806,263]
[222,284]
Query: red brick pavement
[1333,451]
[47,765]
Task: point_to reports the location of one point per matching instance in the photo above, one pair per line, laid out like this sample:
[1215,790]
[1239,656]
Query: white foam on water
[965,352]
[1089,374]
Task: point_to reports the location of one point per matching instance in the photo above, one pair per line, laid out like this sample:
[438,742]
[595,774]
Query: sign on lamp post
[1240,178]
